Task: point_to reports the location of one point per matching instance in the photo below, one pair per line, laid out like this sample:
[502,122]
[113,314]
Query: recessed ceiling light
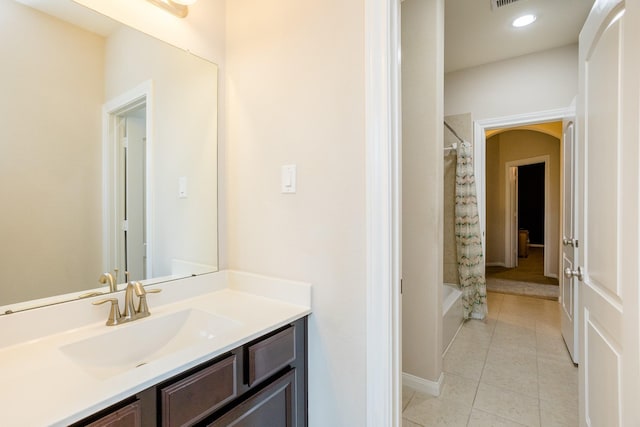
[524,20]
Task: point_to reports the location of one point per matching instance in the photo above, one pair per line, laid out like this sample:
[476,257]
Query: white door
[512,218]
[608,214]
[569,285]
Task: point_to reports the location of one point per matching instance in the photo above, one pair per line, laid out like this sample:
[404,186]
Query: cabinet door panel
[198,395]
[270,355]
[273,406]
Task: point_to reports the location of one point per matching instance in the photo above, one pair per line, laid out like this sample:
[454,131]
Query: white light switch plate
[182,187]
[289,178]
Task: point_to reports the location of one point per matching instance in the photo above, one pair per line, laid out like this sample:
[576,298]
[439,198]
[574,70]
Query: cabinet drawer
[268,356]
[274,405]
[198,395]
[129,416]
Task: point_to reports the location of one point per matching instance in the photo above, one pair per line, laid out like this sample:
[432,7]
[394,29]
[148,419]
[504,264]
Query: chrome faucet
[131,313]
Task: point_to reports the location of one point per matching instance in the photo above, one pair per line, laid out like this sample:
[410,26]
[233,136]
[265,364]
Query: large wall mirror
[108,155]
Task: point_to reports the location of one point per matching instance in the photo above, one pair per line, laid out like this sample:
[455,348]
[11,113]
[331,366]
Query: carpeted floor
[530,269]
[512,287]
[526,279]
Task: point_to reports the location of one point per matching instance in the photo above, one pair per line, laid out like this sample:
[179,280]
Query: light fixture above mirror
[180,8]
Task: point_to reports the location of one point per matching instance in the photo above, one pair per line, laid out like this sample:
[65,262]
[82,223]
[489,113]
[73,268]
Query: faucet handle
[143,308]
[90,294]
[140,289]
[114,314]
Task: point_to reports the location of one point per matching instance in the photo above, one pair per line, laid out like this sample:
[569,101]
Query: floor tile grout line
[484,363]
[538,375]
[502,388]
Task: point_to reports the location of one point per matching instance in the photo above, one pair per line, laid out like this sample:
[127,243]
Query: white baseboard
[535,245]
[423,386]
[495,264]
[555,276]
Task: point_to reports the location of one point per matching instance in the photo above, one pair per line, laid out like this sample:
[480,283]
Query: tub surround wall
[452,314]
[422,191]
[463,125]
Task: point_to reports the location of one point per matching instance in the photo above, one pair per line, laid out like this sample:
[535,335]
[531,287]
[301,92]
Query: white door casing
[480,146]
[511,217]
[569,244]
[114,114]
[511,211]
[135,193]
[607,220]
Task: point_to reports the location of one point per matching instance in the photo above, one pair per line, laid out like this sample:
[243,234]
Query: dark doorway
[531,201]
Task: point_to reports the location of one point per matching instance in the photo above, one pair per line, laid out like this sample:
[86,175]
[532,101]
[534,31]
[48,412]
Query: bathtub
[451,314]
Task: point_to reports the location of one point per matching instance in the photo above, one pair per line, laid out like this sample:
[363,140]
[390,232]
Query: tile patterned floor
[512,369]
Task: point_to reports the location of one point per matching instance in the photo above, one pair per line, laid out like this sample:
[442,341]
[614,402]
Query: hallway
[512,370]
[526,279]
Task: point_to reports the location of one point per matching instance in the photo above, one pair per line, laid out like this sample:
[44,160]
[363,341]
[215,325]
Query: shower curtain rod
[453,131]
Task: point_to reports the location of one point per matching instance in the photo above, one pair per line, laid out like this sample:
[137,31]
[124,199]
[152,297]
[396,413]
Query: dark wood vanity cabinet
[260,384]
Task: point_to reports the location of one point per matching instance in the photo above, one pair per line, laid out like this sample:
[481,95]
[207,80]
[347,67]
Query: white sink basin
[143,341]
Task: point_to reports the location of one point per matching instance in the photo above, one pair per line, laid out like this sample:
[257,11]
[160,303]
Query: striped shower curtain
[468,239]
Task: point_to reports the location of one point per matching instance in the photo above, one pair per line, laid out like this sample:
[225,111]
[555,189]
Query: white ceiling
[475,35]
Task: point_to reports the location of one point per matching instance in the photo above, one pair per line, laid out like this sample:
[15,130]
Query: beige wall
[537,82]
[184,142]
[296,95]
[59,87]
[422,187]
[510,146]
[462,124]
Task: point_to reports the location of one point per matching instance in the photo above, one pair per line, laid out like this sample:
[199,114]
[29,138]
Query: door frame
[480,146]
[511,237]
[383,213]
[143,93]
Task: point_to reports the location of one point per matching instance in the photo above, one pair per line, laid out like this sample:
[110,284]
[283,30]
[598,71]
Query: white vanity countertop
[42,386]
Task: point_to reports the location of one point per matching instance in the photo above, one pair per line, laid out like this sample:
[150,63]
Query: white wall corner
[434,388]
